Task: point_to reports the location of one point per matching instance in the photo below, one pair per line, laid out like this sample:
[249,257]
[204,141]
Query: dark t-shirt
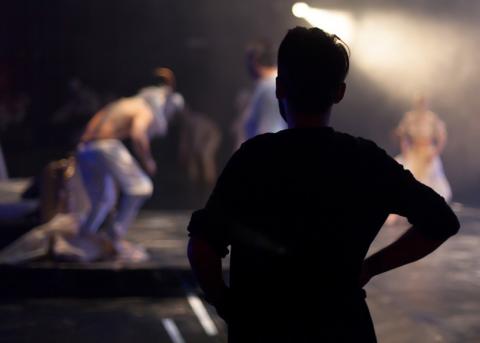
[299,209]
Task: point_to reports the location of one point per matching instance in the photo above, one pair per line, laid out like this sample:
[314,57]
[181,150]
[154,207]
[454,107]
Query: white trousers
[433,174]
[105,166]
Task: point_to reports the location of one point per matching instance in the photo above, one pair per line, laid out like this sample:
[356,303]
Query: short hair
[165,76]
[261,52]
[312,64]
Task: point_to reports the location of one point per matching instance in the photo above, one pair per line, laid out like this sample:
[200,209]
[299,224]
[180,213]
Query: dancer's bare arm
[441,136]
[401,133]
[141,141]
[93,127]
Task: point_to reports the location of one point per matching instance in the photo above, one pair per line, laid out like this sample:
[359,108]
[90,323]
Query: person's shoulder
[434,116]
[149,89]
[367,144]
[362,147]
[344,137]
[372,149]
[354,141]
[178,100]
[250,153]
[126,102]
[258,141]
[256,147]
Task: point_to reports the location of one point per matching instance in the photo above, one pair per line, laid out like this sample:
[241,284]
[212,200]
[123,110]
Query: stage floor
[434,300]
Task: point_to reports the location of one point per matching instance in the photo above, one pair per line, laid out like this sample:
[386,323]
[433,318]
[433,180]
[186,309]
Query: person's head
[420,102]
[312,67]
[166,76]
[259,56]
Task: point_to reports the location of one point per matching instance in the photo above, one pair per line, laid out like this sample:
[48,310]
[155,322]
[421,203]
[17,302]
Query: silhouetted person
[300,209]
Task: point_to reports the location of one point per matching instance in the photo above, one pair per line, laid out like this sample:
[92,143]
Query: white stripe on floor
[172,331]
[202,315]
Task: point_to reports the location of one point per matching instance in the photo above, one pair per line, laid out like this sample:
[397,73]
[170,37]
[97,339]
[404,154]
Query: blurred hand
[151,167]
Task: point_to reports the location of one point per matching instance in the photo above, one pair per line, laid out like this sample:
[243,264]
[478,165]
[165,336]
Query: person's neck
[304,120]
[267,72]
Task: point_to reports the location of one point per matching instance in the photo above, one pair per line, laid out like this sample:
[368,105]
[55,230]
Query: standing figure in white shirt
[423,136]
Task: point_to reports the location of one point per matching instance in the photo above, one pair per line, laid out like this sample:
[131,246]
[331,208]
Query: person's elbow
[454,227]
[439,228]
[139,139]
[199,249]
[449,227]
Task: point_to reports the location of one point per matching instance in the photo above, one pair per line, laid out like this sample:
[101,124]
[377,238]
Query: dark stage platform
[162,234]
[434,300]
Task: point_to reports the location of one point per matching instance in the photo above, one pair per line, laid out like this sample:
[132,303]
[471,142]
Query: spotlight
[300,9]
[335,22]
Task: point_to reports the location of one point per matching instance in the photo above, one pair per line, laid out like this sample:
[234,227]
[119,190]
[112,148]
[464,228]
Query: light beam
[335,22]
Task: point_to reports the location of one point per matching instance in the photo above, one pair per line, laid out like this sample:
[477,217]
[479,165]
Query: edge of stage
[163,234]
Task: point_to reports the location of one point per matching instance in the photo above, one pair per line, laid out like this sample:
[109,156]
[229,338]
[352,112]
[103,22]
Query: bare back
[115,120]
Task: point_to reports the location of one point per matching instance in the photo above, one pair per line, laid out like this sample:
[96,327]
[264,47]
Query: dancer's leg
[99,186]
[135,187]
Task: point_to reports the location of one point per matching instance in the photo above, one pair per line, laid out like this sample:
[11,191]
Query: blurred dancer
[199,142]
[261,114]
[423,136]
[105,163]
[64,207]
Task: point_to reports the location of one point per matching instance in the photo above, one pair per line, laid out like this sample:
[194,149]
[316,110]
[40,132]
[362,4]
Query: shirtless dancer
[106,164]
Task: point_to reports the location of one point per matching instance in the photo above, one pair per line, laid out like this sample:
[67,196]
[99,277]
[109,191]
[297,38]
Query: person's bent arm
[404,146]
[210,233]
[207,267]
[141,142]
[433,221]
[410,247]
[441,137]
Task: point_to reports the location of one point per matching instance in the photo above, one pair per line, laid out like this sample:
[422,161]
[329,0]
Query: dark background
[113,46]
